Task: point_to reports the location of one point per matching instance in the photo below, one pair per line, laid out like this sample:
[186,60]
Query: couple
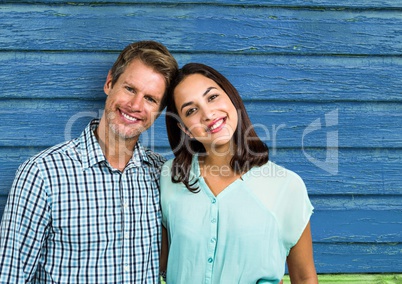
[90,210]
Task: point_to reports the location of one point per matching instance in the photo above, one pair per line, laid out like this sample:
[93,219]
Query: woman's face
[206,111]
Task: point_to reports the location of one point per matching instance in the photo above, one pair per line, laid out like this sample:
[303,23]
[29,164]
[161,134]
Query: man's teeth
[129,117]
[216,125]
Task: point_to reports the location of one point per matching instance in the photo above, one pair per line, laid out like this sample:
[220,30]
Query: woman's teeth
[216,125]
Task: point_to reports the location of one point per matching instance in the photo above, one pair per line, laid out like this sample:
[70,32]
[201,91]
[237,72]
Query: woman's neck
[217,172]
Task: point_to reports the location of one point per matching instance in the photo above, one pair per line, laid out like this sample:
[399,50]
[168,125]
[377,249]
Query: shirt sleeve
[22,230]
[296,210]
[165,183]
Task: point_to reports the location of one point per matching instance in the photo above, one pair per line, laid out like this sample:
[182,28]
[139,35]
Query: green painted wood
[353,279]
[202,28]
[356,278]
[270,78]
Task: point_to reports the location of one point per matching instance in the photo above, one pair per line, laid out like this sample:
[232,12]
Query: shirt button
[213,220]
[126,235]
[213,200]
[213,240]
[126,268]
[210,260]
[125,204]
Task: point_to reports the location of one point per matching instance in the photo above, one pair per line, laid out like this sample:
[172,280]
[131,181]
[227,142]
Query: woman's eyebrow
[207,91]
[204,94]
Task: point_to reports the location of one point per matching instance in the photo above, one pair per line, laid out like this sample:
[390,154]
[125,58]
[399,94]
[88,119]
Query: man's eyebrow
[131,85]
[204,94]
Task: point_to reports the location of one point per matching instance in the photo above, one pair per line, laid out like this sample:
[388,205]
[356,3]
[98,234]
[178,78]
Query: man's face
[133,102]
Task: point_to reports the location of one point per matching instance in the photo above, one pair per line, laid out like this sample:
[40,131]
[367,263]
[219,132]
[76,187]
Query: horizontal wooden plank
[358,225]
[348,257]
[202,28]
[366,178]
[340,201]
[362,4]
[280,124]
[347,226]
[356,171]
[358,258]
[257,77]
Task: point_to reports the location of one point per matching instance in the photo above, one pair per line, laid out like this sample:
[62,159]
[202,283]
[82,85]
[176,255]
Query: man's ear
[184,129]
[108,83]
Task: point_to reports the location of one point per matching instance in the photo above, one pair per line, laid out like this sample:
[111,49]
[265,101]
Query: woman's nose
[208,114]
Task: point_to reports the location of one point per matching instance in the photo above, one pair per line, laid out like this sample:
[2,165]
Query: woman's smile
[217,125]
[206,111]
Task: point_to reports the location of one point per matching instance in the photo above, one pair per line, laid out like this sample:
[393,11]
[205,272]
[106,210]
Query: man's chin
[127,134]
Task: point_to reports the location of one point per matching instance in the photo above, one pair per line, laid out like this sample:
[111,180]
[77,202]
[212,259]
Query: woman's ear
[184,129]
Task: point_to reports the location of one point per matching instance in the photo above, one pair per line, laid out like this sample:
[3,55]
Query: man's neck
[117,151]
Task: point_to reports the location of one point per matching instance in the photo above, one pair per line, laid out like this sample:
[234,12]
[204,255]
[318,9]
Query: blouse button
[210,260]
[213,220]
[213,200]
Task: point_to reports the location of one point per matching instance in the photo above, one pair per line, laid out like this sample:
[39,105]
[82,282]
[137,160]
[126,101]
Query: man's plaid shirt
[72,218]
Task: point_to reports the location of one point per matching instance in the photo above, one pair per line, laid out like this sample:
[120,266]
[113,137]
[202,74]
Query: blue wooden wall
[320,78]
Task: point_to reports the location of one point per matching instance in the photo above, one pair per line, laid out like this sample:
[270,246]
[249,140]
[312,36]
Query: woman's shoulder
[166,171]
[274,172]
[284,193]
[168,163]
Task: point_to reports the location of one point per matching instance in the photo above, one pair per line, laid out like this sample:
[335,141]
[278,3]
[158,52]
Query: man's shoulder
[51,153]
[155,159]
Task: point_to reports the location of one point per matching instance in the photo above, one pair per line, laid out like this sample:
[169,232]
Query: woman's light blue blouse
[243,235]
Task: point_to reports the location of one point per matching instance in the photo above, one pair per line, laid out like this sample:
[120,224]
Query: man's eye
[150,99]
[131,90]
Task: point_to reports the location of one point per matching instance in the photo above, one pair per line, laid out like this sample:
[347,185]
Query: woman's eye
[190,111]
[212,97]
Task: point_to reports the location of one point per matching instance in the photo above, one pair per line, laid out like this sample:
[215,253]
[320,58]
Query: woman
[231,215]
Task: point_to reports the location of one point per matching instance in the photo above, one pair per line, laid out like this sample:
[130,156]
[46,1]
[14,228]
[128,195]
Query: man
[87,210]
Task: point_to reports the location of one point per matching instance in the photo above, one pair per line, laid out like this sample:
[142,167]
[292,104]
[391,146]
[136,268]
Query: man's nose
[137,102]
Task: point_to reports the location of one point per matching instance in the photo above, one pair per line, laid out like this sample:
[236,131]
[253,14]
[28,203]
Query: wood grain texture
[360,173]
[80,75]
[353,257]
[320,79]
[361,4]
[202,28]
[356,279]
[357,225]
[280,124]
